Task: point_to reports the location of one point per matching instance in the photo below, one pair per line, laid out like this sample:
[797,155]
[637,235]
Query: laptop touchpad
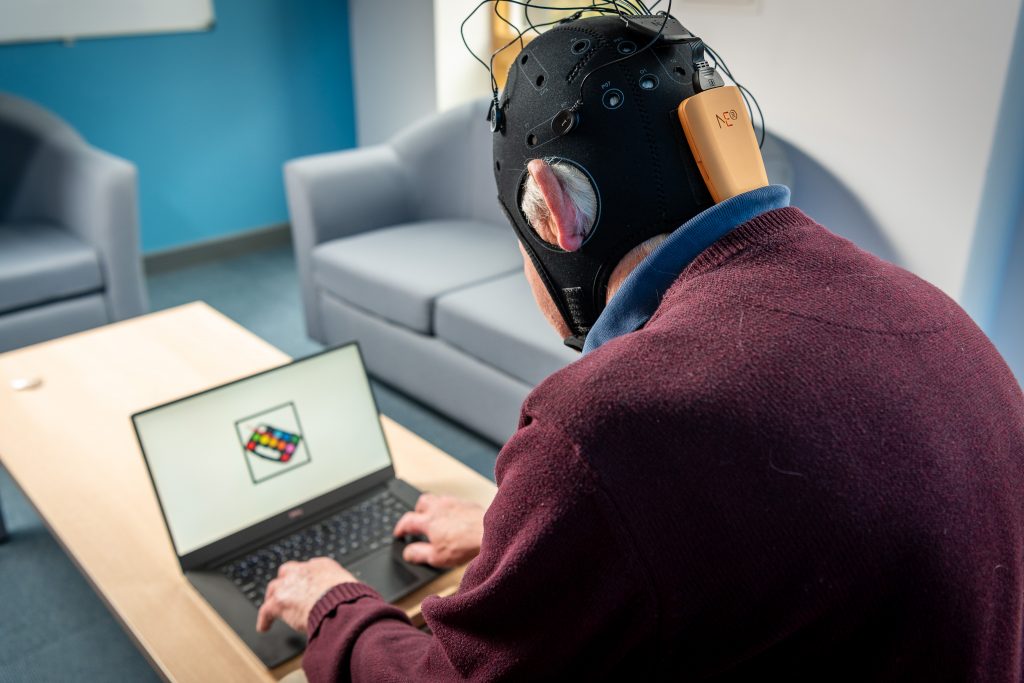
[384,573]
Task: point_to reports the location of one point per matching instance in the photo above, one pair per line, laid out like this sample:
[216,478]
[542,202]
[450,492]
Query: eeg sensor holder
[617,96]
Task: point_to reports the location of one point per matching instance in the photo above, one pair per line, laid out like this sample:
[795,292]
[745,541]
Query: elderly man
[778,457]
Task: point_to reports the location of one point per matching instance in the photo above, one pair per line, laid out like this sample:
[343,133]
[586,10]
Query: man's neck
[630,261]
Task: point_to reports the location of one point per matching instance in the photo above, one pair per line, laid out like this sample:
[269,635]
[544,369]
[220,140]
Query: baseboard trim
[215,249]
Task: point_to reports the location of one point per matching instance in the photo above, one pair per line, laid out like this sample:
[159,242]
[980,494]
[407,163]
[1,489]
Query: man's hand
[298,586]
[453,527]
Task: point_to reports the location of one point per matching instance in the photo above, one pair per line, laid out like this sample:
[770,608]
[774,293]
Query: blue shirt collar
[641,292]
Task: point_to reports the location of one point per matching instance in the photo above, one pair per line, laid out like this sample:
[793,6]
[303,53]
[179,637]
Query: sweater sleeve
[556,586]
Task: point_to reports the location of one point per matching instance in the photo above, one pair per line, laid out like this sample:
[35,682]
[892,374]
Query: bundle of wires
[625,9]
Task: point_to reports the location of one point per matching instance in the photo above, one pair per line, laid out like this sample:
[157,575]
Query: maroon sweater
[808,464]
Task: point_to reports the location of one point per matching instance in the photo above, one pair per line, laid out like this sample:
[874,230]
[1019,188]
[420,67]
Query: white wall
[392,65]
[408,61]
[32,20]
[899,98]
[461,78]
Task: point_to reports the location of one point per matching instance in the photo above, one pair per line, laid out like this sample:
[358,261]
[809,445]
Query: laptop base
[382,569]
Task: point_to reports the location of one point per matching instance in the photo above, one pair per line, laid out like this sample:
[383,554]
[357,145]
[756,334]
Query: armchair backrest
[25,129]
[448,158]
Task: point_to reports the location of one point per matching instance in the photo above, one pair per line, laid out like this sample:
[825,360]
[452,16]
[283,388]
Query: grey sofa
[403,247]
[69,234]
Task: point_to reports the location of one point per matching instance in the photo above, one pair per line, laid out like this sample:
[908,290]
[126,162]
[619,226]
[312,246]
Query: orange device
[722,140]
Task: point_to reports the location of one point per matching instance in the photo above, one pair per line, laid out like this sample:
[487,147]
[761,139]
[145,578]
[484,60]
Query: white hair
[577,187]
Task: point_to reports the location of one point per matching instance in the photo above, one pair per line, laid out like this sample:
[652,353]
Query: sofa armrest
[337,195]
[93,195]
[345,193]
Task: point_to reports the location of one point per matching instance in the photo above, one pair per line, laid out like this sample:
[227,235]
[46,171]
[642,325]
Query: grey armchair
[69,232]
[403,247]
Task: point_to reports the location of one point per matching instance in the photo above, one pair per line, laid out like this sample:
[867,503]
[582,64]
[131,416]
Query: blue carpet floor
[53,627]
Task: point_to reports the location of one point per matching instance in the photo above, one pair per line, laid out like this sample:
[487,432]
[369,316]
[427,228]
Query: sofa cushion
[499,323]
[40,262]
[398,272]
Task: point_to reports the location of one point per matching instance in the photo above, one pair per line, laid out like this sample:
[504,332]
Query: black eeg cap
[622,130]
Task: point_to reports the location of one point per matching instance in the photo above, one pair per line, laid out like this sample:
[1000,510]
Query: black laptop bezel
[289,519]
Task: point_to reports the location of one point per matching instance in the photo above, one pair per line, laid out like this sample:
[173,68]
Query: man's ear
[563,214]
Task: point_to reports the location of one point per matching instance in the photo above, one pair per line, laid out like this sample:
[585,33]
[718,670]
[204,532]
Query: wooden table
[70,446]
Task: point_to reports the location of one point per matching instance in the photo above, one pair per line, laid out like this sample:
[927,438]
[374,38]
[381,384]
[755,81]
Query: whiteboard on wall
[43,20]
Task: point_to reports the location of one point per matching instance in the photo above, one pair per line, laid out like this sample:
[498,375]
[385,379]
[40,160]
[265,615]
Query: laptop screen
[231,457]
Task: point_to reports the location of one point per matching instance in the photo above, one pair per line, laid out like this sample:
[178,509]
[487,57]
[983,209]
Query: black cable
[526,15]
[462,33]
[661,30]
[760,114]
[616,7]
[744,91]
[715,64]
[630,10]
[594,6]
[519,37]
[626,3]
[512,42]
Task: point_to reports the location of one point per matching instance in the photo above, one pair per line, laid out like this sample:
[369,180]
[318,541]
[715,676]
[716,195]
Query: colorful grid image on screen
[273,444]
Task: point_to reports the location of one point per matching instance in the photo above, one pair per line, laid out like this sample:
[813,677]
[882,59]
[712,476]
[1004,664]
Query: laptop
[287,464]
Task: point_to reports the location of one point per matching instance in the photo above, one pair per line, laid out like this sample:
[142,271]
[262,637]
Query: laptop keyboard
[355,531]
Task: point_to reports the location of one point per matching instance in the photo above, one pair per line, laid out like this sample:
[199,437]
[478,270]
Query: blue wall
[208,117]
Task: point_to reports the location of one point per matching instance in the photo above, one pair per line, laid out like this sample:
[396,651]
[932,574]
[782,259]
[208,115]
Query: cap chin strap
[575,343]
[571,302]
[573,297]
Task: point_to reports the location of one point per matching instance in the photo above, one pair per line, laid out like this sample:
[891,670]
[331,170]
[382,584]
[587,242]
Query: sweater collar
[641,292]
